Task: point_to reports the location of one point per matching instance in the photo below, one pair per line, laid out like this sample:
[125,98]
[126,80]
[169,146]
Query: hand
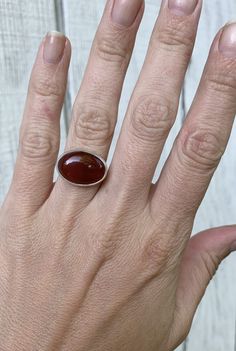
[113,267]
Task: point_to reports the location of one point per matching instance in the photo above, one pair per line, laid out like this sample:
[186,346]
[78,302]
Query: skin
[113,267]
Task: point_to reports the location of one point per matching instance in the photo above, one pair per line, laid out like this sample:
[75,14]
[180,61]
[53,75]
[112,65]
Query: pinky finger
[40,129]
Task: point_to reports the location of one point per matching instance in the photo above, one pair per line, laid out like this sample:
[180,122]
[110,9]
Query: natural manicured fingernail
[227,44]
[125,11]
[182,7]
[54,46]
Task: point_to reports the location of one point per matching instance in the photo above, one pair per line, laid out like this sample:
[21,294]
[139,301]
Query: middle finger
[154,104]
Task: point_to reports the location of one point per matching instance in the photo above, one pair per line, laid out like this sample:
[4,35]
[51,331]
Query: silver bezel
[91,153]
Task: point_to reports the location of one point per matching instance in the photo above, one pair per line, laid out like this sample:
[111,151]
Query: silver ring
[82,168]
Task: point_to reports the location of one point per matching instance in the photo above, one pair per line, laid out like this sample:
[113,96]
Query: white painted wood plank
[22,26]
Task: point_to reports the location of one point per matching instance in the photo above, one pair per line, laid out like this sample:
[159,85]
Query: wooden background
[22,25]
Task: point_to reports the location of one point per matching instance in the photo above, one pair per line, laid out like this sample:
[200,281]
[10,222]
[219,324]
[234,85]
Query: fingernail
[227,44]
[54,47]
[125,11]
[182,7]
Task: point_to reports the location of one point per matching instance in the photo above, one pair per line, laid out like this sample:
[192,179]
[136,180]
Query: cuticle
[134,24]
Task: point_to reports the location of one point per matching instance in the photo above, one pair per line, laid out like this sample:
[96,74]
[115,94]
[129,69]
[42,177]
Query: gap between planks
[61,27]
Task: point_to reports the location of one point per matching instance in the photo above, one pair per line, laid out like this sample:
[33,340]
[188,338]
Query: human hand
[113,267]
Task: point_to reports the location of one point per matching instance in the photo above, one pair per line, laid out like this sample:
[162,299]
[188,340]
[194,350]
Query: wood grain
[22,25]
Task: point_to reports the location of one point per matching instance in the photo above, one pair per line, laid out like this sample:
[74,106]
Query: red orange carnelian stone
[81,168]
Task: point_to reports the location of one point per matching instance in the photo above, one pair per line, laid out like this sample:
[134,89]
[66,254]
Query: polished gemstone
[81,168]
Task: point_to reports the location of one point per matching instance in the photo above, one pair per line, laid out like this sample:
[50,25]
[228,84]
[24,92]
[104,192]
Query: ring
[82,168]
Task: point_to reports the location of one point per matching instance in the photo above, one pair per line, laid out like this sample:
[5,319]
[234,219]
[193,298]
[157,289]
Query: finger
[201,259]
[204,136]
[154,104]
[95,110]
[39,134]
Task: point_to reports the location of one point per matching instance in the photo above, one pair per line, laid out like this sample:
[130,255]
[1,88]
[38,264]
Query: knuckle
[222,82]
[93,125]
[175,36]
[201,148]
[151,120]
[46,86]
[104,245]
[36,145]
[109,237]
[211,263]
[157,254]
[111,50]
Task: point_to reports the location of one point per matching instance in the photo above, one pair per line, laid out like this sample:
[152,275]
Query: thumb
[202,256]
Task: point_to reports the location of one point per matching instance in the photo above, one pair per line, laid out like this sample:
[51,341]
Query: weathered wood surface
[22,25]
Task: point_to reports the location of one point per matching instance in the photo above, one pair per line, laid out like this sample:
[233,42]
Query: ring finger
[95,110]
